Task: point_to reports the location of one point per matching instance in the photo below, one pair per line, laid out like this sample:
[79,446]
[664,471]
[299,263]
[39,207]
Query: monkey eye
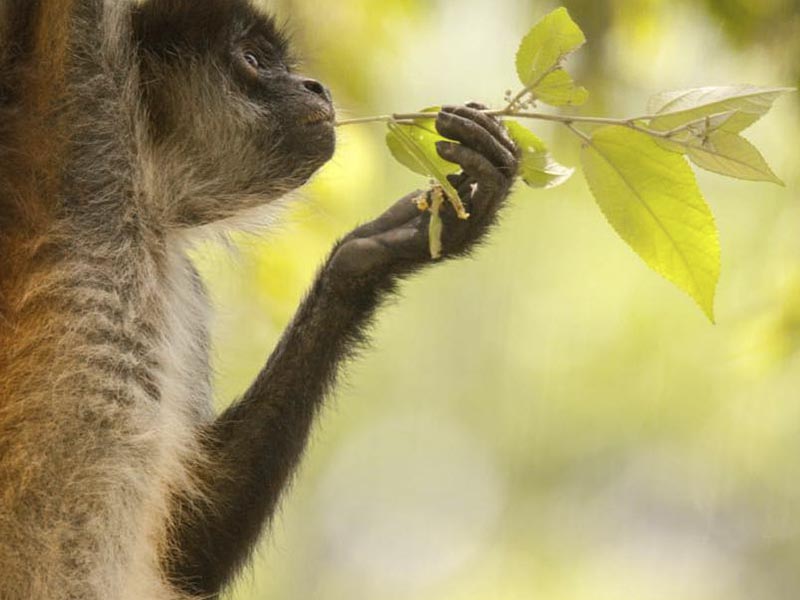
[252,60]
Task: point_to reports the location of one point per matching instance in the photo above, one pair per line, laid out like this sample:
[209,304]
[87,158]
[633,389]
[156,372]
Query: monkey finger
[482,173]
[474,112]
[465,190]
[483,192]
[457,180]
[466,186]
[472,134]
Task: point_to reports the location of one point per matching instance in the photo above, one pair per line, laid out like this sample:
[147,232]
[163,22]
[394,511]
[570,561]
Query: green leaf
[728,154]
[546,46]
[749,103]
[422,156]
[650,197]
[414,145]
[537,167]
[558,89]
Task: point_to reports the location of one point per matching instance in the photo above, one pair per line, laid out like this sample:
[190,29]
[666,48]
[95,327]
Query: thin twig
[500,113]
[630,122]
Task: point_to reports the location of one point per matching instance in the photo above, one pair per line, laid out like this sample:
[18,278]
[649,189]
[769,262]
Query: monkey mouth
[319,116]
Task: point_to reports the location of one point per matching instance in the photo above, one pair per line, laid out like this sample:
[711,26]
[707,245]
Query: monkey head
[226,123]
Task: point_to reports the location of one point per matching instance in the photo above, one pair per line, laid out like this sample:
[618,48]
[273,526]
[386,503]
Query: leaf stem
[586,138]
[514,105]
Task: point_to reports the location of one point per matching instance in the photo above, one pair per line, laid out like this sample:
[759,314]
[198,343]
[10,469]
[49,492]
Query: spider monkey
[126,129]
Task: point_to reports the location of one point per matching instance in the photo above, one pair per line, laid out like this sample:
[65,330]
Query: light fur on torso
[103,388]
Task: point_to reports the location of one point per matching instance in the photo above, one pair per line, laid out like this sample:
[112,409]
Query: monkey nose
[315,87]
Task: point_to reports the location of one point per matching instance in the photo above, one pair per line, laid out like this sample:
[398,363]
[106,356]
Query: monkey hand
[396,243]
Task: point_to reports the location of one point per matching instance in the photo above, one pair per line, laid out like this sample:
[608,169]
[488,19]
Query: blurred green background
[550,420]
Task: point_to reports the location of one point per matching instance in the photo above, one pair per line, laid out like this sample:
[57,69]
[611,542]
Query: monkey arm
[255,445]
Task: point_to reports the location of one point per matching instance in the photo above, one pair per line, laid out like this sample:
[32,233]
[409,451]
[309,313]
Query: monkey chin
[312,146]
[315,140]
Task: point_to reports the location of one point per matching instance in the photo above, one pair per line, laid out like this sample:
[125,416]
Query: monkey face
[297,111]
[227,123]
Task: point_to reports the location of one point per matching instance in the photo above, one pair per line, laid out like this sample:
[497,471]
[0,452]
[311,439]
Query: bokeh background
[550,420]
